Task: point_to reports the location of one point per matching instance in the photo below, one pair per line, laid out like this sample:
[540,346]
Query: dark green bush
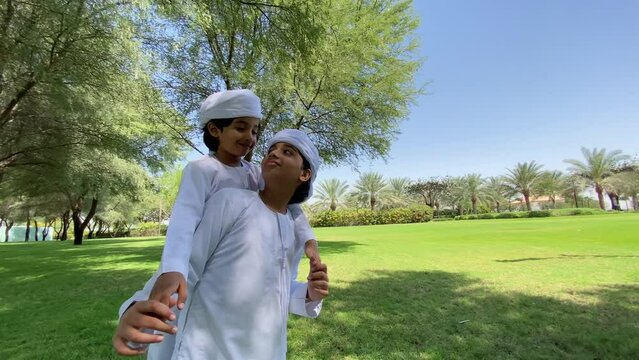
[351,217]
[539,213]
[148,229]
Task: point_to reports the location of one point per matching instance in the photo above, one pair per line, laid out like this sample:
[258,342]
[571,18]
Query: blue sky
[514,81]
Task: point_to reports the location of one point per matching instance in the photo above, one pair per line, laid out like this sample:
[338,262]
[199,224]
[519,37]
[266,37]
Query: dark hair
[301,193]
[211,141]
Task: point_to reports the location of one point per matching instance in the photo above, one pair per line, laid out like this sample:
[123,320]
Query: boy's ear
[212,129]
[305,175]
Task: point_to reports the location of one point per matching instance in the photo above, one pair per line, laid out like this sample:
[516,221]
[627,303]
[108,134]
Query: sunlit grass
[544,288]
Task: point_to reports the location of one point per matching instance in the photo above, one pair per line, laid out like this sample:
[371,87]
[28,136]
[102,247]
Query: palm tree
[371,188]
[598,166]
[473,184]
[331,192]
[551,184]
[398,191]
[495,191]
[523,178]
[457,195]
[574,186]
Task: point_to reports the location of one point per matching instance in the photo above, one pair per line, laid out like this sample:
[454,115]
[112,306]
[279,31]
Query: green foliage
[148,229]
[577,211]
[351,217]
[331,193]
[523,179]
[341,70]
[539,213]
[532,214]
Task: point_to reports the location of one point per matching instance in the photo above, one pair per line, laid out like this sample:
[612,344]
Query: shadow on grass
[416,315]
[567,256]
[62,301]
[337,247]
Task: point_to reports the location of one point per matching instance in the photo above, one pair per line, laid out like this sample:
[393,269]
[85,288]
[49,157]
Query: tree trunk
[574,196]
[527,198]
[45,229]
[35,228]
[599,190]
[28,230]
[11,105]
[78,224]
[98,233]
[635,203]
[333,206]
[7,229]
[65,225]
[473,200]
[91,226]
[373,201]
[8,225]
[552,201]
[614,200]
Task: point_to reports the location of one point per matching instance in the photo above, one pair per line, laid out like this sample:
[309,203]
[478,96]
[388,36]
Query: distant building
[536,202]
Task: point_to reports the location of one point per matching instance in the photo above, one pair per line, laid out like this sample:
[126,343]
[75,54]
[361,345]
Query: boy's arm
[195,185]
[134,320]
[306,298]
[151,315]
[303,232]
[187,212]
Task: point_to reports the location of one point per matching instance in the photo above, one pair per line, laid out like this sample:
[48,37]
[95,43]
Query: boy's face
[284,163]
[237,139]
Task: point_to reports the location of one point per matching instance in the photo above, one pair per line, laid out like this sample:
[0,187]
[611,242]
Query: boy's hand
[168,284]
[317,281]
[310,249]
[149,315]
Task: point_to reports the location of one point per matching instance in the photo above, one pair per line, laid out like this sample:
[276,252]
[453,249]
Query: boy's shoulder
[235,196]
[205,162]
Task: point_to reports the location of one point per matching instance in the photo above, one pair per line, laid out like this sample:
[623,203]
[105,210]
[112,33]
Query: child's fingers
[182,294]
[121,347]
[318,266]
[151,323]
[156,309]
[139,337]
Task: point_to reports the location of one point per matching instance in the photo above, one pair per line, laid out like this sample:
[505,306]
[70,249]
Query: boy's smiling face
[236,139]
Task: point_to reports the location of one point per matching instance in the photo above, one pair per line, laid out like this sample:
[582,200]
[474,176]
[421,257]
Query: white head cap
[230,104]
[303,144]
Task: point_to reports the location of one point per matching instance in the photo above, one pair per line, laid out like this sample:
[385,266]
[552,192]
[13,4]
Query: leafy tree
[432,190]
[598,165]
[399,194]
[473,184]
[625,183]
[551,184]
[523,179]
[371,189]
[495,192]
[331,193]
[341,70]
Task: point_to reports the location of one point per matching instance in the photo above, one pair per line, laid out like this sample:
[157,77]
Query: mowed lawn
[547,288]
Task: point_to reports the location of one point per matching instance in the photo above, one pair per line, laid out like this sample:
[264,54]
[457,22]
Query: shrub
[539,213]
[351,217]
[148,229]
[577,211]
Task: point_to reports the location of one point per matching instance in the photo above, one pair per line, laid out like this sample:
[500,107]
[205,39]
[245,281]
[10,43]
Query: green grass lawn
[545,288]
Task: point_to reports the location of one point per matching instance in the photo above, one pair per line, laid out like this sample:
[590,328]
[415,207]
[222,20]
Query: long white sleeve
[186,214]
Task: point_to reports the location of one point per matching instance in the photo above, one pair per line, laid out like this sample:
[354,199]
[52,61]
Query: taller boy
[229,120]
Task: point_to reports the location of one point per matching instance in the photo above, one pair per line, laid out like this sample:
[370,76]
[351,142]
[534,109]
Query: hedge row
[531,214]
[147,229]
[351,217]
